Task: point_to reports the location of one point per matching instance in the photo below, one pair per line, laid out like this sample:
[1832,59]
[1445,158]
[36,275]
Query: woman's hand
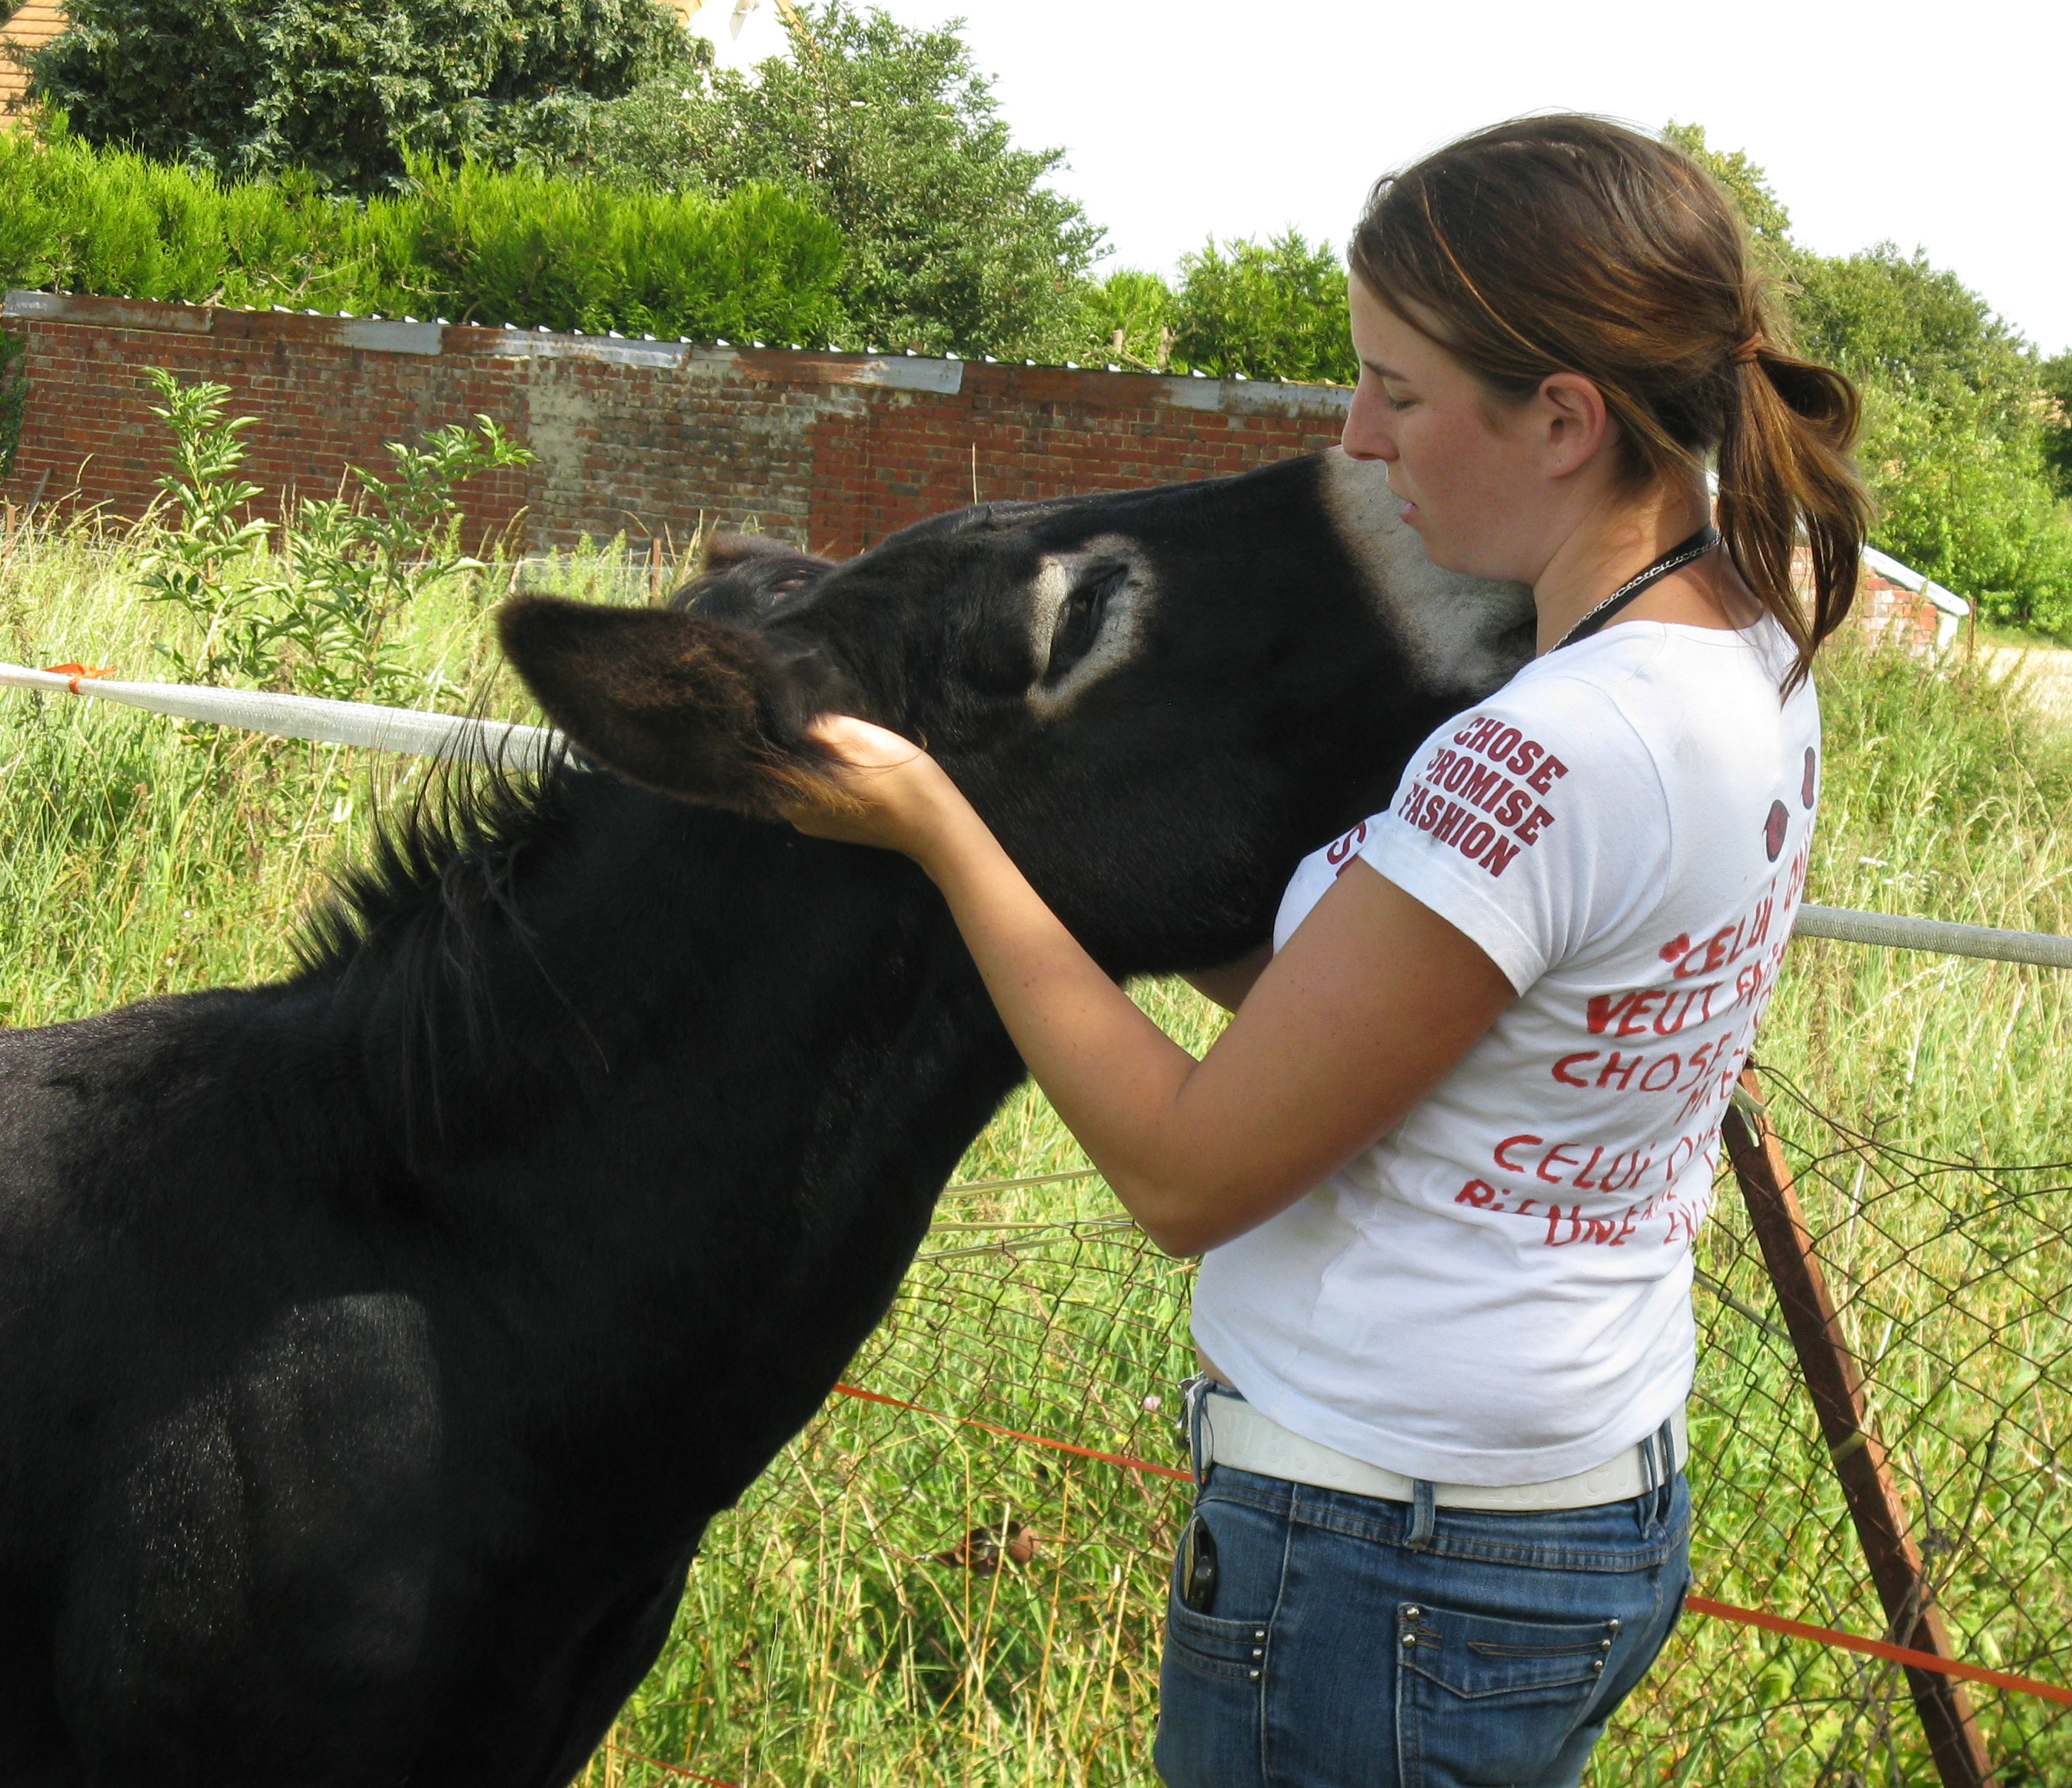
[1374,1000]
[894,795]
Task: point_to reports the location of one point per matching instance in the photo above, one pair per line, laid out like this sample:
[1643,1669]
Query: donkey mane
[414,919]
[426,942]
[404,931]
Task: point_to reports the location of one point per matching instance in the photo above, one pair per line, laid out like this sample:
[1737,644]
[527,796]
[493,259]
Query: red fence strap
[1698,1604]
[1877,1648]
[674,1768]
[1016,1434]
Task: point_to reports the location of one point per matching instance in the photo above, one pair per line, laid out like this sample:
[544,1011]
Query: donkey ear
[683,705]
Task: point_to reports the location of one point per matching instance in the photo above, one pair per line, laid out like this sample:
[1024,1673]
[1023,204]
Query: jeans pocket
[1232,1648]
[1481,1699]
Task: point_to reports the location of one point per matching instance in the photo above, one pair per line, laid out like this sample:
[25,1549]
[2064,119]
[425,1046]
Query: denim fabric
[1346,1648]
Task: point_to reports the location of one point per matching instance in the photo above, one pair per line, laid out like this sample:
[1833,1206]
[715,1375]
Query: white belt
[1234,1433]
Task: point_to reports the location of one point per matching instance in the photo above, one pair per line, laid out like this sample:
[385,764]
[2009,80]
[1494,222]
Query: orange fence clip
[77,672]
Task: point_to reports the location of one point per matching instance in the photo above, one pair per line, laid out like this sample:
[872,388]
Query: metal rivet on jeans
[1612,1626]
[1253,1675]
[1418,1614]
[1596,1663]
[1259,1633]
[1604,1645]
[1410,1638]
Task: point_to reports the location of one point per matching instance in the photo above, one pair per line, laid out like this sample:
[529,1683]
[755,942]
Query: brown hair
[1571,244]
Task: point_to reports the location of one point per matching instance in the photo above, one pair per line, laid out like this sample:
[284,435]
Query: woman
[1446,1163]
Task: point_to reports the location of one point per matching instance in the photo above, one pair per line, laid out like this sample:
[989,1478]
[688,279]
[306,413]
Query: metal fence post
[1859,1457]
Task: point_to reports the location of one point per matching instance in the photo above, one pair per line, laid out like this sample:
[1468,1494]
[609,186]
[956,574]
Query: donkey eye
[1080,619]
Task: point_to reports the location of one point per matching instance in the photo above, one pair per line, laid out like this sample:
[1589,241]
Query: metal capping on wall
[942,375]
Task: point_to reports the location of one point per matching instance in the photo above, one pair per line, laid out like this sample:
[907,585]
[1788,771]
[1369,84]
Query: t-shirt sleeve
[1537,823]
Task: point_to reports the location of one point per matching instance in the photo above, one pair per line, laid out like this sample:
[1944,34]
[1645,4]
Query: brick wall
[1886,612]
[1901,617]
[834,450]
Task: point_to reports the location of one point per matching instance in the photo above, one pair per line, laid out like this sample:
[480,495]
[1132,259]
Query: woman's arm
[1370,1004]
[1229,982]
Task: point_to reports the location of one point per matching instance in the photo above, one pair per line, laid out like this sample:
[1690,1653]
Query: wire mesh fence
[907,1596]
[1952,1282]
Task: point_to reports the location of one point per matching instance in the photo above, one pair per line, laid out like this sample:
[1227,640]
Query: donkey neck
[697,1078]
[544,975]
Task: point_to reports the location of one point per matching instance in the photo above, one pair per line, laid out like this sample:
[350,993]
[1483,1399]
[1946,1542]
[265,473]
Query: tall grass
[834,1630]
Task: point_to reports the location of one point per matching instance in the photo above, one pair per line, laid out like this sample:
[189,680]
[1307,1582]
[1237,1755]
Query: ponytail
[1570,244]
[1784,469]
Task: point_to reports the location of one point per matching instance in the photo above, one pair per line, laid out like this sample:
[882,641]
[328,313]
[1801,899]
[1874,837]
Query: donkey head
[1158,699]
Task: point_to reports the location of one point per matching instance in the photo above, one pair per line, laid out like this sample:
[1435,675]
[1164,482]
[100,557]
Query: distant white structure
[1950,607]
[741,32]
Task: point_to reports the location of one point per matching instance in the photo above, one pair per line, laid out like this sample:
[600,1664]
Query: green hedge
[470,243]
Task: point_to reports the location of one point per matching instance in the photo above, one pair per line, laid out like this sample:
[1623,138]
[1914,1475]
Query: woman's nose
[1365,436]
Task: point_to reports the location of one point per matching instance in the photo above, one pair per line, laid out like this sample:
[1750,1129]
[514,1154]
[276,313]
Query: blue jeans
[1357,1643]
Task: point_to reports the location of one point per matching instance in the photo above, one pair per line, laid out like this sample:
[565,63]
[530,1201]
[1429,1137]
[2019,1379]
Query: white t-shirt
[1498,1290]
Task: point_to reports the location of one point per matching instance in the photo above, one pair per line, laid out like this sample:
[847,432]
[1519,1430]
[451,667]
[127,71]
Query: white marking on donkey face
[1462,634]
[1124,610]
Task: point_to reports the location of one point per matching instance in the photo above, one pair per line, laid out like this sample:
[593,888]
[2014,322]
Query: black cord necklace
[1699,544]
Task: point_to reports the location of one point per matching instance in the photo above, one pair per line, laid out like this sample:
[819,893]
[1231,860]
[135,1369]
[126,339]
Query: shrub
[1960,500]
[1261,310]
[470,242]
[1265,310]
[13,391]
[1128,320]
[524,247]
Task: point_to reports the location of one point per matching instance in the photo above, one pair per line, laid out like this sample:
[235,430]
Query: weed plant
[903,1599]
[316,614]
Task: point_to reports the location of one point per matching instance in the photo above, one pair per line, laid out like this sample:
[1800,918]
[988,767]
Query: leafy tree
[1885,316]
[1956,441]
[344,88]
[2057,420]
[1967,445]
[954,242]
[1264,310]
[1770,224]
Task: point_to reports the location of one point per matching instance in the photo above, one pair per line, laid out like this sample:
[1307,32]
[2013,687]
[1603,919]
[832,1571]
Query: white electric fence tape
[410,730]
[1889,930]
[516,748]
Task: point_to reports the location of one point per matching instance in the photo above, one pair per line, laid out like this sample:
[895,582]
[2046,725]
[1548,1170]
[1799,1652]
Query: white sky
[1941,127]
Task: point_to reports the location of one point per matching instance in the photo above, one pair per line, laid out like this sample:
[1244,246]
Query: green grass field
[835,1631]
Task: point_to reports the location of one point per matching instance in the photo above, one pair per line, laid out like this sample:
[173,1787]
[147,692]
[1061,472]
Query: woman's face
[1470,477]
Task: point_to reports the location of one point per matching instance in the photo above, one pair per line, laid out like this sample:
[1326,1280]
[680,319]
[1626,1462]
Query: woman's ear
[1576,425]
